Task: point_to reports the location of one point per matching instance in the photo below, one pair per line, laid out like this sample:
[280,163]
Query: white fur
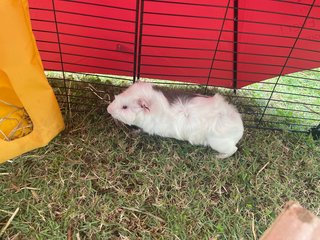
[201,121]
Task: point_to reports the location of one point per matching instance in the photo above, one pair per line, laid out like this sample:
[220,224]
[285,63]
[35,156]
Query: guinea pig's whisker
[95,92]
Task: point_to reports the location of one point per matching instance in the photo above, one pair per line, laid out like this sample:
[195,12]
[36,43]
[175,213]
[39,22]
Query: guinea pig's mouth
[117,122]
[121,124]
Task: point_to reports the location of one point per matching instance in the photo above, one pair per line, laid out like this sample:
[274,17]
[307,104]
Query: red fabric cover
[98,37]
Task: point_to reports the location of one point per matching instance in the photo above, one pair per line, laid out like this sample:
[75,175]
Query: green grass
[99,180]
[295,101]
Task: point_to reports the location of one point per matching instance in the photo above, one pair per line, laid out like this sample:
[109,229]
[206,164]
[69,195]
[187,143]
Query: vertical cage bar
[140,39]
[284,65]
[235,45]
[216,50]
[136,38]
[61,59]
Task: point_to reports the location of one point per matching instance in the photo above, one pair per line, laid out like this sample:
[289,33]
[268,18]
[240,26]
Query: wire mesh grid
[90,47]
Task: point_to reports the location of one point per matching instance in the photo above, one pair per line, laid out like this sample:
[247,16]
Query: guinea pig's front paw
[135,130]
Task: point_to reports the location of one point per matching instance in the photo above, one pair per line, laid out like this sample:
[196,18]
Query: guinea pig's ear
[144,104]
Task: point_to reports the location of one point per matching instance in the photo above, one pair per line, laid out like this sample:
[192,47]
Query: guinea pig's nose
[109,108]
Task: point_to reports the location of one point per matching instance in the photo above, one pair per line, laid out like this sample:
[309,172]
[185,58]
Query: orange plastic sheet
[23,82]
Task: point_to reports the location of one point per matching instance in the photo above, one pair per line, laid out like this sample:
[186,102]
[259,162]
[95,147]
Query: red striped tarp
[200,41]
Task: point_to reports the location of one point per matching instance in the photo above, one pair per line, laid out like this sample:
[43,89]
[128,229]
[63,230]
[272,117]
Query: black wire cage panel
[264,55]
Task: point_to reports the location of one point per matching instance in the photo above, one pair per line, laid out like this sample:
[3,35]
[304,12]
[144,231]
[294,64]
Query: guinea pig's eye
[124,107]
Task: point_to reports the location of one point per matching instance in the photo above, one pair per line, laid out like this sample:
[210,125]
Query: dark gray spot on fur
[173,95]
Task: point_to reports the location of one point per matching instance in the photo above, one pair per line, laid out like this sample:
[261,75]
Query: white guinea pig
[199,119]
